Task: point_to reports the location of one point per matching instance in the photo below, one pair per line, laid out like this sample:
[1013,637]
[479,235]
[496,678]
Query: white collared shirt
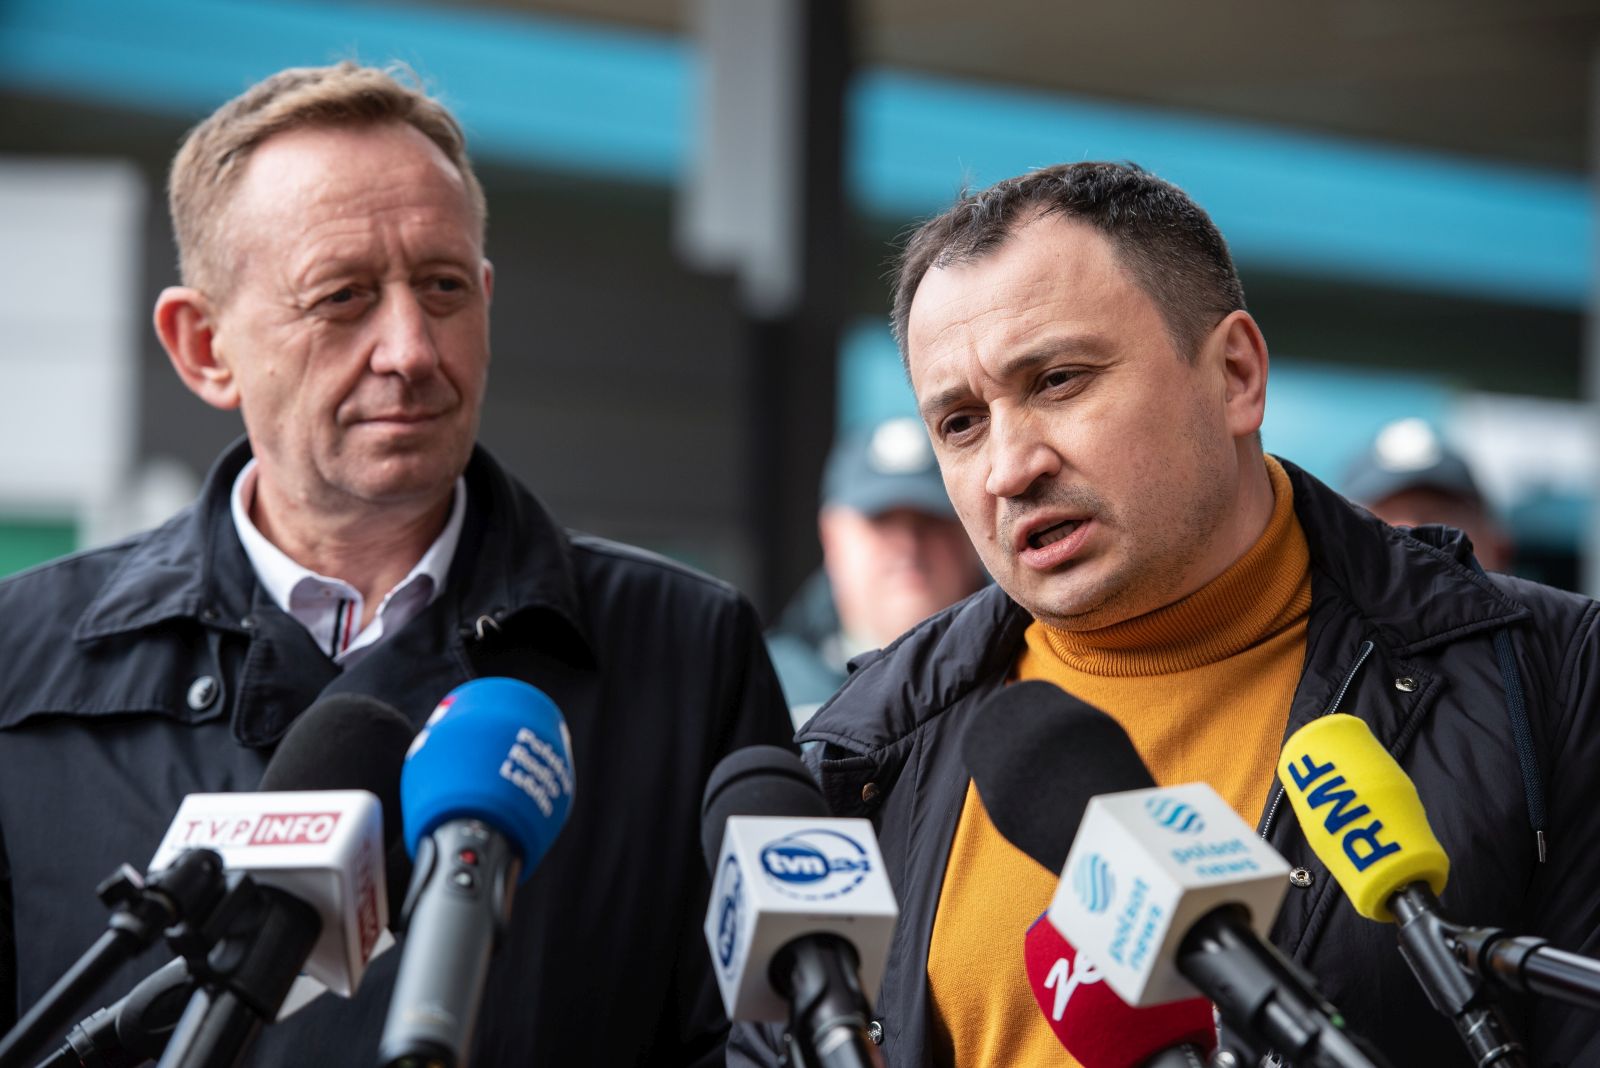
[329,608]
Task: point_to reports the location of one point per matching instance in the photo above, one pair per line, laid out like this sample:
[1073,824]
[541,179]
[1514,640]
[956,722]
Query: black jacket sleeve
[1564,905]
[752,712]
[8,947]
[755,1046]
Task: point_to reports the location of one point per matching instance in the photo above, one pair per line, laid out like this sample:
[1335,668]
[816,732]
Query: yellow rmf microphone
[1360,813]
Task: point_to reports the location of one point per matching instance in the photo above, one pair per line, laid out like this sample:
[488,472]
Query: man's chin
[1071,603]
[404,478]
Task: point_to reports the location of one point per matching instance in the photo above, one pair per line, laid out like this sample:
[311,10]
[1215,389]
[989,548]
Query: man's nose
[404,345]
[1019,455]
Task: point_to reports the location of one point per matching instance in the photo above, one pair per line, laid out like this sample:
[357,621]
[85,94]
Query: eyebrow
[1025,363]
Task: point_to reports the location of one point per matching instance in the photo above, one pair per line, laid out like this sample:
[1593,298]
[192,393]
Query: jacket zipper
[1338,699]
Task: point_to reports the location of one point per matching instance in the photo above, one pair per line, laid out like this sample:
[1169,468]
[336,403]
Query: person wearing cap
[893,553]
[1409,477]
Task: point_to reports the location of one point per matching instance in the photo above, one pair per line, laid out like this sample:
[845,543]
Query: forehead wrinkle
[995,314]
[1026,363]
[334,248]
[367,241]
[1027,296]
[300,167]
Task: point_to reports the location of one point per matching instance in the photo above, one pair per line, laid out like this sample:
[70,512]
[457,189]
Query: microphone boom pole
[1529,966]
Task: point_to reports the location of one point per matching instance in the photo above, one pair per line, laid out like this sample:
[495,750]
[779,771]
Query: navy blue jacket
[1428,685]
[106,722]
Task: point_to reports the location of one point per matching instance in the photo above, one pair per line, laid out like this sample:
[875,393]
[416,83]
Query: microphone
[314,830]
[346,741]
[354,742]
[485,790]
[305,862]
[1365,821]
[1166,889]
[801,910]
[1098,1028]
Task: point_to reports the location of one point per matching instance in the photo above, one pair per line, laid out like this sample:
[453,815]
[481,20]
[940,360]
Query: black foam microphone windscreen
[1037,755]
[350,741]
[758,780]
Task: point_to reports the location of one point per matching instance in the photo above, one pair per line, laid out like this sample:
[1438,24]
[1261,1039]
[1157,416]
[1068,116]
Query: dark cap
[887,466]
[1409,454]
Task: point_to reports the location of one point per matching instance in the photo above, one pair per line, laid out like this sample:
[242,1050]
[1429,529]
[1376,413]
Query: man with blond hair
[358,540]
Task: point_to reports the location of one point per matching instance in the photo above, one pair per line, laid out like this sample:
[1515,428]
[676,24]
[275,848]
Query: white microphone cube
[1146,865]
[778,878]
[325,847]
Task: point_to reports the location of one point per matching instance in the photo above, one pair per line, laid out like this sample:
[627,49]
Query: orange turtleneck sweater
[1202,686]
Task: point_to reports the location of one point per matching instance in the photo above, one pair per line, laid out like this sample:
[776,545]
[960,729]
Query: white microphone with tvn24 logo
[323,847]
[801,910]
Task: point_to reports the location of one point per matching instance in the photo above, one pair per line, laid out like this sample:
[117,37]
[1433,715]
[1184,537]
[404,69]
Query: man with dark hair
[1161,237]
[1093,387]
[359,541]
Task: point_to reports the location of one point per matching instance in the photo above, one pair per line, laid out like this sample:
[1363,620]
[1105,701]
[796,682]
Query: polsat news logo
[263,829]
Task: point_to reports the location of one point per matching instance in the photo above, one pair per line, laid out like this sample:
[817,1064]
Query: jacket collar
[172,572]
[891,693]
[1417,588]
[514,561]
[495,576]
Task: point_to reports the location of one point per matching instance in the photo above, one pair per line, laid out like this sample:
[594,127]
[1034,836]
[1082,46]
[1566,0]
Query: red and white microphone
[1098,1028]
[324,847]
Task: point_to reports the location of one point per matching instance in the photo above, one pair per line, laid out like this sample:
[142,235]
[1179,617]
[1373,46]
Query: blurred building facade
[1415,232]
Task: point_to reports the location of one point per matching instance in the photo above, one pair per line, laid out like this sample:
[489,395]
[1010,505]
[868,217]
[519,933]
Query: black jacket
[105,726]
[1428,685]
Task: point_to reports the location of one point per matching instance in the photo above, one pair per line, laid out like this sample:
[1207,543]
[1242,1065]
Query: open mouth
[1050,535]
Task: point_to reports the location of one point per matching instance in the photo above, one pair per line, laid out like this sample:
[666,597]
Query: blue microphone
[485,789]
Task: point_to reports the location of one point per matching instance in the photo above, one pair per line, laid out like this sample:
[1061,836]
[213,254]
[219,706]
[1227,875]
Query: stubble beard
[1159,561]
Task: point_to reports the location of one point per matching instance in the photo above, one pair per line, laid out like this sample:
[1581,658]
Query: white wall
[69,331]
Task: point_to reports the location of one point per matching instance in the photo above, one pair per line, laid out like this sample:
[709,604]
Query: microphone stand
[1259,993]
[134,1030]
[260,939]
[140,911]
[1529,965]
[1428,943]
[827,1010]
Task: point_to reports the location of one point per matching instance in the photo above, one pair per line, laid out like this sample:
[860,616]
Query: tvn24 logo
[730,913]
[815,865]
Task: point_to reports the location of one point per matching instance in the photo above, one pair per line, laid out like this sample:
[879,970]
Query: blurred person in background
[893,554]
[1409,477]
[1093,386]
[359,540]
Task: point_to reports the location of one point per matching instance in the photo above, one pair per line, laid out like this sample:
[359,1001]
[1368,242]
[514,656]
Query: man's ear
[185,322]
[488,281]
[1244,370]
